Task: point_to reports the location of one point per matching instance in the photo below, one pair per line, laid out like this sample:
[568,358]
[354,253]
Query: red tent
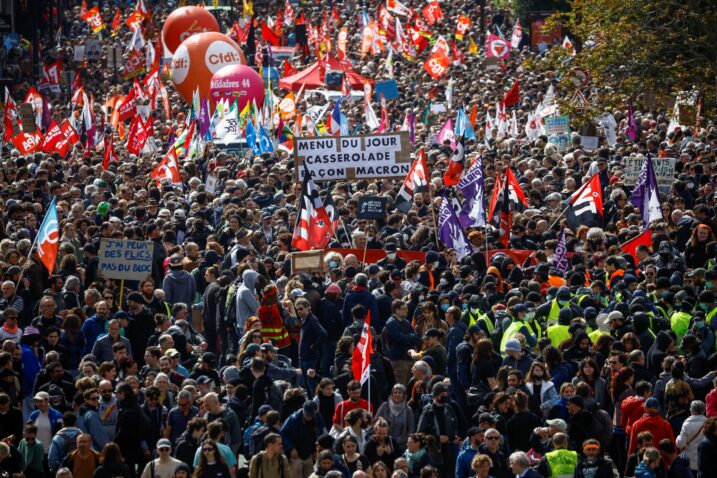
[312,77]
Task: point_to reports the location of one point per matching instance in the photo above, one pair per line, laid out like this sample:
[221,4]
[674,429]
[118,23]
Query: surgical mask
[704,307]
[708,284]
[434,265]
[443,281]
[699,324]
[464,306]
[391,256]
[475,311]
[333,264]
[665,292]
[548,297]
[530,315]
[562,302]
[444,307]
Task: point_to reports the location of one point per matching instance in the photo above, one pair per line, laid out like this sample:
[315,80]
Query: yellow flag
[248,7]
[472,47]
[215,3]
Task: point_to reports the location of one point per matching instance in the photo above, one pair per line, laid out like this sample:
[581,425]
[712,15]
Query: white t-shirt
[44,430]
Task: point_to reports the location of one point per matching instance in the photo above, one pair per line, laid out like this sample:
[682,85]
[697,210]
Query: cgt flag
[48,238]
[416,181]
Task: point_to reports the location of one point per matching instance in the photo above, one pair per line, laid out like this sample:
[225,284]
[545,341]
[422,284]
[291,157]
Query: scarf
[414,457]
[396,408]
[13,331]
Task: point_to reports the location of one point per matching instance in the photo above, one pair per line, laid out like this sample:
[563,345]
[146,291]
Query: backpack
[70,443]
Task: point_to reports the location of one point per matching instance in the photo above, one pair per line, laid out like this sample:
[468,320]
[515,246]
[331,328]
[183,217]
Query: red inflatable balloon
[198,58]
[185,22]
[238,82]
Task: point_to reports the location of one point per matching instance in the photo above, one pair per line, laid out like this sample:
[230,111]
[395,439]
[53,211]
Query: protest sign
[353,157]
[589,143]
[371,207]
[79,53]
[664,171]
[387,89]
[125,259]
[557,125]
[561,141]
[93,49]
[307,261]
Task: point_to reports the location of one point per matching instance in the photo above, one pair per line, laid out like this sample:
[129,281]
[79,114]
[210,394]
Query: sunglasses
[164,448]
[207,449]
[94,398]
[492,438]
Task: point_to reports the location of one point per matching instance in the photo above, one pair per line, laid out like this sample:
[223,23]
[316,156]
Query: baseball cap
[513,345]
[41,396]
[652,403]
[204,380]
[267,347]
[164,443]
[558,423]
[486,417]
[263,410]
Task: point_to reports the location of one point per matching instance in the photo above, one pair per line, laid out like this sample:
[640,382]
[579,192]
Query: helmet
[103,208]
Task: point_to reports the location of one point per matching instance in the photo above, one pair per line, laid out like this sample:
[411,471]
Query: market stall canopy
[313,76]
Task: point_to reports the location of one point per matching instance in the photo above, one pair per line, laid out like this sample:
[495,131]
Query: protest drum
[237,82]
[185,22]
[198,58]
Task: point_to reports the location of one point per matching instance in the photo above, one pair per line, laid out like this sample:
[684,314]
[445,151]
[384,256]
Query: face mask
[699,324]
[475,311]
[333,264]
[562,302]
[391,256]
[464,307]
[442,399]
[443,281]
[444,307]
[421,298]
[664,293]
[708,284]
[530,315]
[548,297]
[435,264]
[704,307]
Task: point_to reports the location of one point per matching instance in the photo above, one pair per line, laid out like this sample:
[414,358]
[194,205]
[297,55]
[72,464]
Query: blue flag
[463,126]
[251,138]
[450,230]
[265,144]
[560,260]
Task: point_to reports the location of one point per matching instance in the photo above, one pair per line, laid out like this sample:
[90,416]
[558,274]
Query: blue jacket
[401,338]
[58,450]
[312,335]
[55,419]
[455,337]
[89,421]
[30,369]
[644,471]
[359,296]
[463,462]
[91,329]
[102,348]
[301,435]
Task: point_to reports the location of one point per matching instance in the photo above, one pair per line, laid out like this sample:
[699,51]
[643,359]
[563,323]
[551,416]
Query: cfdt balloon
[237,82]
[198,58]
[185,22]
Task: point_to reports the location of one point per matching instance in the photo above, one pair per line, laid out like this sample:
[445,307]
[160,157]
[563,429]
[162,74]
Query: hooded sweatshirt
[179,287]
[247,302]
[657,352]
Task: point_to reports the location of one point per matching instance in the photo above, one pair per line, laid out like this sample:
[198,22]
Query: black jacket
[185,448]
[600,469]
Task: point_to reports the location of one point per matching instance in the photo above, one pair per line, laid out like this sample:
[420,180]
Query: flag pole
[562,213]
[433,213]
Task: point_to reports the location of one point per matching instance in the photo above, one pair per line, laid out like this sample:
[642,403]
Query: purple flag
[204,118]
[472,213]
[631,130]
[645,196]
[450,231]
[560,261]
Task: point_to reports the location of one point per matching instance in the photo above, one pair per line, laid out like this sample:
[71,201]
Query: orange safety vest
[431,282]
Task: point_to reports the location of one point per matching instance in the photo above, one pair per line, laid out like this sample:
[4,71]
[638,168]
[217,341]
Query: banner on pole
[125,259]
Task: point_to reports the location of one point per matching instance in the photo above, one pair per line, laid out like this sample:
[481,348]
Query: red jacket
[651,422]
[633,408]
[711,402]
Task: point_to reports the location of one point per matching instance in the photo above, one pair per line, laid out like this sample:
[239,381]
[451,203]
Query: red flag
[116,22]
[437,64]
[167,169]
[432,12]
[53,135]
[512,96]
[497,47]
[134,20]
[94,19]
[267,34]
[474,116]
[361,360]
[455,166]
[70,132]
[51,75]
[464,23]
[11,114]
[586,205]
[137,136]
[125,108]
[644,239]
[506,218]
[110,154]
[289,68]
[27,143]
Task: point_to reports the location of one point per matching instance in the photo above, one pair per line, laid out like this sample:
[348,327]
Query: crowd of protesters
[224,363]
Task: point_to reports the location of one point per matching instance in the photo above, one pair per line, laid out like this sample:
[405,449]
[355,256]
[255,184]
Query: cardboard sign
[211,184]
[79,54]
[27,115]
[589,143]
[371,207]
[389,90]
[561,141]
[307,261]
[557,125]
[114,57]
[93,49]
[664,171]
[125,259]
[332,158]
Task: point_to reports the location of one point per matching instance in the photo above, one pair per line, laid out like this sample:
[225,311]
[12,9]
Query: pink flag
[446,134]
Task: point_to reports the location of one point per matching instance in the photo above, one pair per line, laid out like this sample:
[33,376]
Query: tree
[642,50]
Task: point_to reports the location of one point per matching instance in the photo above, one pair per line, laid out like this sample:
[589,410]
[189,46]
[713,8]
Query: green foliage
[644,50]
